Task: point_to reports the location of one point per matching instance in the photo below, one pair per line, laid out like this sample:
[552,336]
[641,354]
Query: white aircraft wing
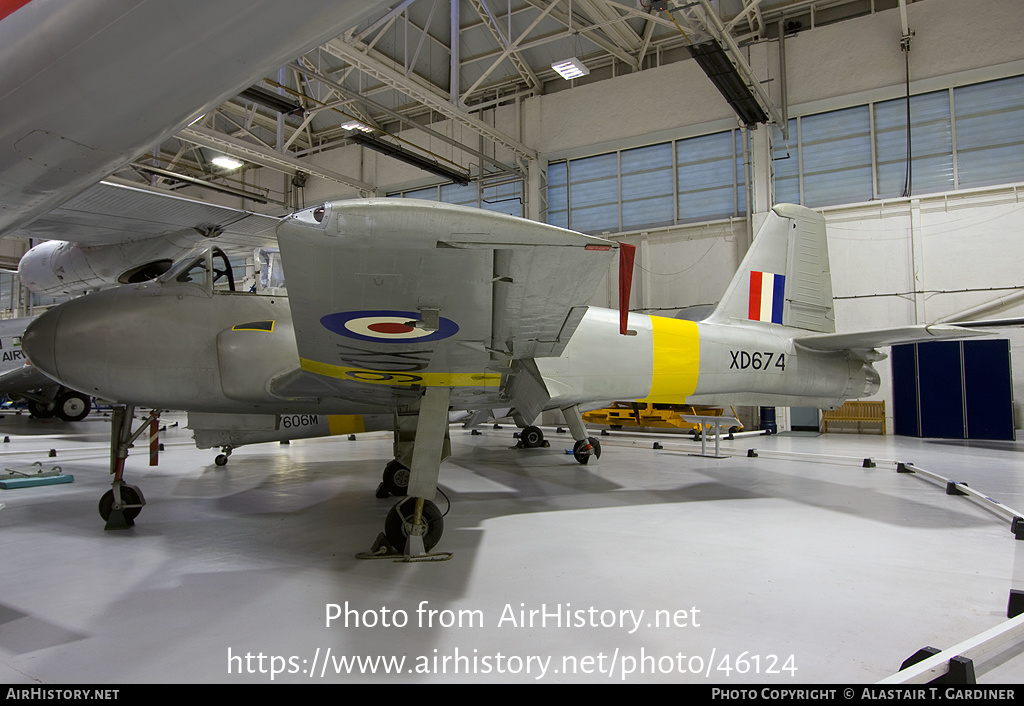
[112,212]
[866,340]
[395,295]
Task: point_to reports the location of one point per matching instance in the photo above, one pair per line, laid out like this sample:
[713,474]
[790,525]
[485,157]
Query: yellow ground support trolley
[656,415]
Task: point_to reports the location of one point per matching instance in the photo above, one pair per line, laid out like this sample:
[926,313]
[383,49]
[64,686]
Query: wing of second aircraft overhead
[111,213]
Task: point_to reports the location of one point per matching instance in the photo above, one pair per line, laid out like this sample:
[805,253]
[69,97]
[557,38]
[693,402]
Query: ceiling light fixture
[570,68]
[226,162]
[356,125]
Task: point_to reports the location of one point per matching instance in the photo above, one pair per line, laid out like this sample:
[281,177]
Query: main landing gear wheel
[585,448]
[222,457]
[41,411]
[73,407]
[398,524]
[532,438]
[396,479]
[129,496]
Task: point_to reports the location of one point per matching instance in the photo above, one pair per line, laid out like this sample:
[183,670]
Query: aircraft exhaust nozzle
[864,382]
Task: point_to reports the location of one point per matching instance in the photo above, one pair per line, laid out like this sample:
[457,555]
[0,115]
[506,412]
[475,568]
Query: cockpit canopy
[209,267]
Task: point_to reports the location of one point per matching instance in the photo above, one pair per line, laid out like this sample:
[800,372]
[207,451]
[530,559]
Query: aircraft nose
[39,342]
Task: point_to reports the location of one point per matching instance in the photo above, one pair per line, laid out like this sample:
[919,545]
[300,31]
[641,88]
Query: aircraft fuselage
[180,346]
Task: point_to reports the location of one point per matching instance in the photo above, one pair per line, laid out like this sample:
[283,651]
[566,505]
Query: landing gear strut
[585,446]
[120,505]
[414,525]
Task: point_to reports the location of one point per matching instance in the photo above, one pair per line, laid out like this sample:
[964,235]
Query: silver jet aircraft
[398,311]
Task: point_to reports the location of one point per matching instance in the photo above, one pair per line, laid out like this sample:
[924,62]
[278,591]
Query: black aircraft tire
[532,437]
[73,406]
[128,497]
[396,479]
[41,411]
[583,457]
[394,526]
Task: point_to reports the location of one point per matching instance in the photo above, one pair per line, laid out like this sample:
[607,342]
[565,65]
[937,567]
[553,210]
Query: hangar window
[499,194]
[707,172]
[836,152]
[646,186]
[695,179]
[786,163]
[990,132]
[593,193]
[931,144]
[965,137]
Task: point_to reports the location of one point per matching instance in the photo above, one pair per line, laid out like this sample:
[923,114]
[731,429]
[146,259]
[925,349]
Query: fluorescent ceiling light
[356,125]
[226,162]
[570,68]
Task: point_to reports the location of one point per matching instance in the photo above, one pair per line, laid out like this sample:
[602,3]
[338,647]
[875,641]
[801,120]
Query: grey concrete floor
[797,566]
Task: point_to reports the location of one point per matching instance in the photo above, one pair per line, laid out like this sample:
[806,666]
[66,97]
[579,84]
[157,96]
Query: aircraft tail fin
[785,276]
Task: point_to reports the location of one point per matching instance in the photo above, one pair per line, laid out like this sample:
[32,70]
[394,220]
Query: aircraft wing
[111,212]
[88,86]
[23,379]
[402,294]
[866,340]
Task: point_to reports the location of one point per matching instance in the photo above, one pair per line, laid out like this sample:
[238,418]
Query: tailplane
[785,277]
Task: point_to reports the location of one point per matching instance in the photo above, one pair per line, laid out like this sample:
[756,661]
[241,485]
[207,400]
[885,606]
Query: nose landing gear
[120,505]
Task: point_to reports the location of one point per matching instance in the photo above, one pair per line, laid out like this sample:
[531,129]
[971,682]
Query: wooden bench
[872,412]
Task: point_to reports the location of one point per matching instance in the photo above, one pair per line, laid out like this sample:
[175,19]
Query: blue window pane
[457,194]
[558,194]
[741,172]
[990,132]
[931,143]
[646,186]
[835,149]
[786,164]
[594,193]
[429,194]
[503,198]
[706,177]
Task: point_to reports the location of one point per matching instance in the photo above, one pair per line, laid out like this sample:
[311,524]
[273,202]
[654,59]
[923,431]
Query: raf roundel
[386,326]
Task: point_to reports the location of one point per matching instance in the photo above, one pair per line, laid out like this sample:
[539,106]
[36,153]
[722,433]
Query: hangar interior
[901,122]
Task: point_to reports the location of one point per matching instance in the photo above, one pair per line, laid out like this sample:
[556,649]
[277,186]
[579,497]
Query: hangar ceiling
[402,70]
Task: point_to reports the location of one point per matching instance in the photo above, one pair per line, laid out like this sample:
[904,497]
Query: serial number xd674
[757,360]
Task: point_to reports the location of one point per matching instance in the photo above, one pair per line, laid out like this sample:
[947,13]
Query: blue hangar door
[953,390]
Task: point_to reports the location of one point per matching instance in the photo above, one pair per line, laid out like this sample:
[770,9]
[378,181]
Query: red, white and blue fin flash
[767,293]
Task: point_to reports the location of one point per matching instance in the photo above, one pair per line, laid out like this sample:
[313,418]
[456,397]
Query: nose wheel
[120,505]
